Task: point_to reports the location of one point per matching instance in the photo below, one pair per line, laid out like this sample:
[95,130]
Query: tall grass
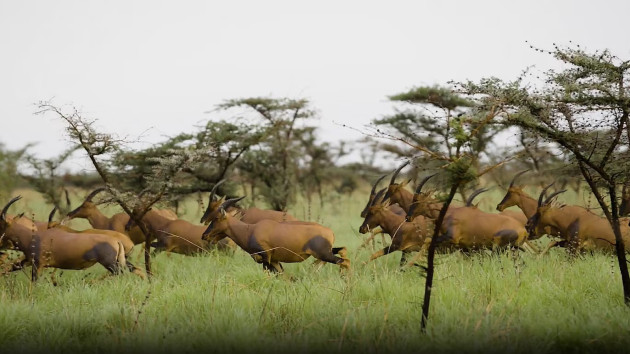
[508,302]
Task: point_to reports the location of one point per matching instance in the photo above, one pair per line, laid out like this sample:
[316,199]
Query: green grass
[225,303]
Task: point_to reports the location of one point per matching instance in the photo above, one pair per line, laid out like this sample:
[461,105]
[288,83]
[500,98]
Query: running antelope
[580,229]
[57,248]
[406,236]
[271,243]
[178,236]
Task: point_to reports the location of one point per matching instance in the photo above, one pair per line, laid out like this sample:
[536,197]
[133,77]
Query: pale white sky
[156,66]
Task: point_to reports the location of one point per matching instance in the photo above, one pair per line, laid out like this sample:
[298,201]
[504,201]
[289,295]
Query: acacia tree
[456,154]
[101,149]
[223,143]
[273,163]
[583,108]
[432,121]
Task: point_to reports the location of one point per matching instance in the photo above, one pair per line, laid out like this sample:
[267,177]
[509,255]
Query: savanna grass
[484,302]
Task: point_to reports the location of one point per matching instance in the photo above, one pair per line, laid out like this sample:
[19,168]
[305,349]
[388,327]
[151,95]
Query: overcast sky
[154,67]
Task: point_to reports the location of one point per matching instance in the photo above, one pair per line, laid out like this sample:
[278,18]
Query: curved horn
[378,196]
[3,215]
[549,198]
[94,193]
[51,215]
[542,194]
[421,184]
[473,195]
[214,189]
[228,203]
[377,182]
[393,180]
[517,176]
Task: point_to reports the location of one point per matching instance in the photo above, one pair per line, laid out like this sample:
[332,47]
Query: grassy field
[216,302]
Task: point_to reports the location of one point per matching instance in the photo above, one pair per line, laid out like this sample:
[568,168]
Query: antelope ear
[223,213]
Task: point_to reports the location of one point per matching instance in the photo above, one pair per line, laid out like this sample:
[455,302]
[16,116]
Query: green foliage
[288,156]
[9,175]
[441,97]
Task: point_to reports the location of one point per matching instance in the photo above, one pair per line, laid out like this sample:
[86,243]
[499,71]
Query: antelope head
[214,204]
[219,222]
[543,207]
[87,208]
[372,195]
[371,221]
[512,195]
[419,199]
[4,223]
[394,187]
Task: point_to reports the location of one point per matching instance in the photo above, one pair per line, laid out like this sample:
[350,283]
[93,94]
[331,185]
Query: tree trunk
[619,246]
[430,258]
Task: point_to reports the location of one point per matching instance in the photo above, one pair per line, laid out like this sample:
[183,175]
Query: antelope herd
[273,237]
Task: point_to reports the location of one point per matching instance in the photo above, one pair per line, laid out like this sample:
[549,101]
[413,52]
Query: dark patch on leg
[507,236]
[104,254]
[322,249]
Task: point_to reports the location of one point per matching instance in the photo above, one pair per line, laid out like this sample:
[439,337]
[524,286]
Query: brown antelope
[123,238]
[57,248]
[580,229]
[116,222]
[250,215]
[406,236]
[179,236]
[469,228]
[393,207]
[271,243]
[516,196]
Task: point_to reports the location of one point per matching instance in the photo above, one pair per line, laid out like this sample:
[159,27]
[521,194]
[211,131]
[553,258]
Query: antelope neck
[527,204]
[390,221]
[238,231]
[98,220]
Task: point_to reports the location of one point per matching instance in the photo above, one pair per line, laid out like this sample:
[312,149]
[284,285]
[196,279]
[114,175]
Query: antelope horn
[94,193]
[377,182]
[474,194]
[228,203]
[421,184]
[542,194]
[378,196]
[516,176]
[214,189]
[549,198]
[51,215]
[3,215]
[393,180]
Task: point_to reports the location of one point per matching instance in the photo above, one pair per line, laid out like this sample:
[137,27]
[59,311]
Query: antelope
[516,196]
[250,215]
[123,238]
[271,243]
[393,207]
[179,236]
[116,222]
[468,228]
[57,248]
[406,236]
[580,228]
